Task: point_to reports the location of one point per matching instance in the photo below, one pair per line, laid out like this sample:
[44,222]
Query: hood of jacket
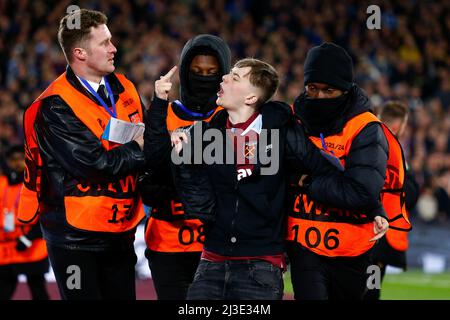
[215,45]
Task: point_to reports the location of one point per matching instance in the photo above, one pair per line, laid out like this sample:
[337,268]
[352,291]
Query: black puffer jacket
[359,186]
[71,153]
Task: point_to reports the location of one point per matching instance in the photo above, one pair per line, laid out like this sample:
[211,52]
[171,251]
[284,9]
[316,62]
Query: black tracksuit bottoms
[172,273]
[94,275]
[316,277]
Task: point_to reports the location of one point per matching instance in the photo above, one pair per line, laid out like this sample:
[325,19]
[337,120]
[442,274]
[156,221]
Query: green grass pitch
[409,285]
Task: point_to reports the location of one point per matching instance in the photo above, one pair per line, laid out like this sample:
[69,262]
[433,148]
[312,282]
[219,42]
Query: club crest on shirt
[250,150]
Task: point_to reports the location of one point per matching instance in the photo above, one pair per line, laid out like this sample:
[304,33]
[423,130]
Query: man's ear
[80,53]
[251,99]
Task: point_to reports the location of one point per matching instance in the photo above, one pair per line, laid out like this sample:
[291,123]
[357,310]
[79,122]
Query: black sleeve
[195,191]
[157,145]
[411,190]
[359,186]
[302,155]
[192,181]
[66,139]
[156,185]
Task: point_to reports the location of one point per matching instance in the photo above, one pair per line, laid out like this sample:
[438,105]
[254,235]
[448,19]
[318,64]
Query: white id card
[120,131]
[8,221]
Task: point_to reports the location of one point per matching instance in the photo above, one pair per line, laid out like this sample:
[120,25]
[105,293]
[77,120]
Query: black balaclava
[198,94]
[14,177]
[329,64]
[202,89]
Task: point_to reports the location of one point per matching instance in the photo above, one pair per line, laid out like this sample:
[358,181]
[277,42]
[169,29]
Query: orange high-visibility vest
[171,231]
[9,198]
[335,232]
[112,207]
[393,196]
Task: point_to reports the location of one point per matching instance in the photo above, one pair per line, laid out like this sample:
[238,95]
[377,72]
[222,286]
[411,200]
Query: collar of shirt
[94,85]
[253,123]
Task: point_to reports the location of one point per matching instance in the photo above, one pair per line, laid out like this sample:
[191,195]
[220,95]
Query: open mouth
[220,91]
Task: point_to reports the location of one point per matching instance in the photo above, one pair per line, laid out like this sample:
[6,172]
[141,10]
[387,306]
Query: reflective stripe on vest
[335,232]
[111,207]
[8,239]
[170,231]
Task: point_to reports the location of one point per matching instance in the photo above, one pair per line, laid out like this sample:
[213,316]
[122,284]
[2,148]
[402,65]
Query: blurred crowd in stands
[407,59]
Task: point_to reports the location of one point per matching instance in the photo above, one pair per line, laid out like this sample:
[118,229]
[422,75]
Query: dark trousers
[8,283]
[172,273]
[316,277]
[237,280]
[94,275]
[374,294]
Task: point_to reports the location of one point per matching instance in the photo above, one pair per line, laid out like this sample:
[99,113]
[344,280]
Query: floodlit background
[407,59]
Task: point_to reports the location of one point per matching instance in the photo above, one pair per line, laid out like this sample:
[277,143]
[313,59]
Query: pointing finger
[169,74]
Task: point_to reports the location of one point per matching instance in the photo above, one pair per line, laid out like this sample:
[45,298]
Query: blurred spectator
[404,60]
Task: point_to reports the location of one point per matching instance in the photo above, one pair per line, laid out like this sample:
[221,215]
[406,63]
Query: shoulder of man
[55,103]
[116,85]
[276,113]
[372,134]
[219,120]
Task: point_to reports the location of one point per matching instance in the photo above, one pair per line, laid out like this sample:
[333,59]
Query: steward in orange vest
[22,249]
[84,188]
[331,218]
[82,168]
[175,242]
[391,249]
[354,236]
[99,199]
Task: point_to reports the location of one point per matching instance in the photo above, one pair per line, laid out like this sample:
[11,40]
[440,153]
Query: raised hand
[164,84]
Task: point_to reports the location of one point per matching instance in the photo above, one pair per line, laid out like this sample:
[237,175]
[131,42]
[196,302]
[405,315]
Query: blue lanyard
[324,145]
[192,113]
[111,97]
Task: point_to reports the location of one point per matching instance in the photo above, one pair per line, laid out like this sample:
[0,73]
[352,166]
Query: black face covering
[322,115]
[202,92]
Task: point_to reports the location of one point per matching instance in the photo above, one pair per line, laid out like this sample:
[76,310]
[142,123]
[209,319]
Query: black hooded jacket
[201,44]
[156,189]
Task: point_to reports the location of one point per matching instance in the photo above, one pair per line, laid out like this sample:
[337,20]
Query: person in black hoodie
[22,249]
[174,242]
[330,230]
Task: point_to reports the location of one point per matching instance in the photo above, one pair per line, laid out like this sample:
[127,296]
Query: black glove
[23,243]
